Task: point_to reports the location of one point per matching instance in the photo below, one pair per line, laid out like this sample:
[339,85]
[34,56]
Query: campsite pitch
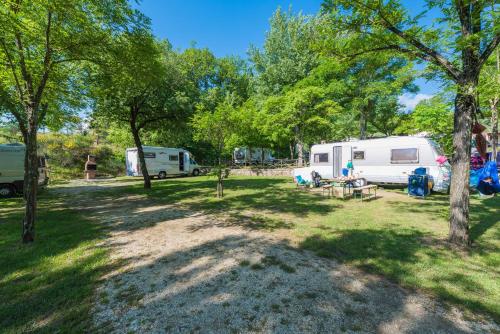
[181,261]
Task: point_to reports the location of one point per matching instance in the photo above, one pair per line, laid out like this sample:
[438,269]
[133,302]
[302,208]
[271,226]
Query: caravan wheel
[6,191]
[162,175]
[196,172]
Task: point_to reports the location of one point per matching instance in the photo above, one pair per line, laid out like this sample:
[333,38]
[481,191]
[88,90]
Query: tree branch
[46,60]
[391,47]
[430,54]
[43,112]
[488,51]
[151,120]
[13,69]
[24,69]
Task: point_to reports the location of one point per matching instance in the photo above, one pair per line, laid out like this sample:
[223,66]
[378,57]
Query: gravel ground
[180,271]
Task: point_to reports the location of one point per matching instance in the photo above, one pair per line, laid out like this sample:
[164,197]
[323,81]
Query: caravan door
[337,161]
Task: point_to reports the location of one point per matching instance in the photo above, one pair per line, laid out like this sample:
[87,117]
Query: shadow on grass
[275,195]
[415,260]
[47,286]
[260,194]
[485,214]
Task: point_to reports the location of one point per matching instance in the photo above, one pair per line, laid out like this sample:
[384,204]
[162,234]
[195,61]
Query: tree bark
[300,152]
[465,106]
[220,185]
[362,126]
[30,176]
[292,150]
[140,152]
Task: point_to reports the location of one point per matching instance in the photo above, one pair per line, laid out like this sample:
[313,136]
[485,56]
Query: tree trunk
[362,125]
[494,127]
[292,150]
[140,152]
[465,106]
[220,185]
[248,156]
[30,177]
[300,152]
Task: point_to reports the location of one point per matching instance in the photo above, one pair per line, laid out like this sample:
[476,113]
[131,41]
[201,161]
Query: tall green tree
[41,43]
[367,88]
[304,115]
[456,48]
[287,55]
[140,87]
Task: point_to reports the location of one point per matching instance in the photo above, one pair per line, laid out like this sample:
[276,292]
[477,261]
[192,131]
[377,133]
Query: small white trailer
[161,161]
[386,160]
[12,170]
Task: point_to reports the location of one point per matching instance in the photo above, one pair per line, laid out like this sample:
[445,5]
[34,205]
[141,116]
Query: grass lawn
[49,285]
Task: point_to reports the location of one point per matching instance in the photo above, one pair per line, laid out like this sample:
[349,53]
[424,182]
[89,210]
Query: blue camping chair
[301,181]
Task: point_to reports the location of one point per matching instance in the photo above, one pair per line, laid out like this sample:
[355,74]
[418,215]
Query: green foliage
[301,114]
[489,84]
[287,55]
[435,117]
[389,27]
[45,47]
[216,127]
[67,154]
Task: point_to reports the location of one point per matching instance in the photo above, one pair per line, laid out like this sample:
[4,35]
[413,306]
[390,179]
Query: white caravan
[12,170]
[383,160]
[162,161]
[245,155]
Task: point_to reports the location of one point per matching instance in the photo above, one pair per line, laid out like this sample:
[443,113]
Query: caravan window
[173,157]
[320,157]
[404,155]
[358,155]
[149,155]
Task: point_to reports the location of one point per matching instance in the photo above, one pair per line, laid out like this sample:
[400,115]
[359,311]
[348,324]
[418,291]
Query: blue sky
[229,27]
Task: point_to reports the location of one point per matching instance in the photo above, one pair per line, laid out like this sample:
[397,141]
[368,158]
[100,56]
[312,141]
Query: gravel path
[185,272]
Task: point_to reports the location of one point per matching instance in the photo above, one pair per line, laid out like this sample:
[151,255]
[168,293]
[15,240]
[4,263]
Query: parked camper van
[384,160]
[162,161]
[12,170]
[252,156]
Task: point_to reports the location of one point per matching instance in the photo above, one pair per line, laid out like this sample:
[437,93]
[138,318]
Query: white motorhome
[12,170]
[162,161]
[383,160]
[246,155]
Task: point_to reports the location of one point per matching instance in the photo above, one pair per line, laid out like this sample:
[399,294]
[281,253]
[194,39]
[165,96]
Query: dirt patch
[188,272]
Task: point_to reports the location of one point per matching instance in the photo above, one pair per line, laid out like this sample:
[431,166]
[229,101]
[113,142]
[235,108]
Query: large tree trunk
[142,160]
[494,127]
[30,176]
[465,106]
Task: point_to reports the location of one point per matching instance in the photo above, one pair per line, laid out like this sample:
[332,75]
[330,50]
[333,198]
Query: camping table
[346,184]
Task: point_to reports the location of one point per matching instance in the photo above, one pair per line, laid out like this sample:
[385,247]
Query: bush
[67,154]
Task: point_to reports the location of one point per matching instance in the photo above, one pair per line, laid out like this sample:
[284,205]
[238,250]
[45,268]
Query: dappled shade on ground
[400,237]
